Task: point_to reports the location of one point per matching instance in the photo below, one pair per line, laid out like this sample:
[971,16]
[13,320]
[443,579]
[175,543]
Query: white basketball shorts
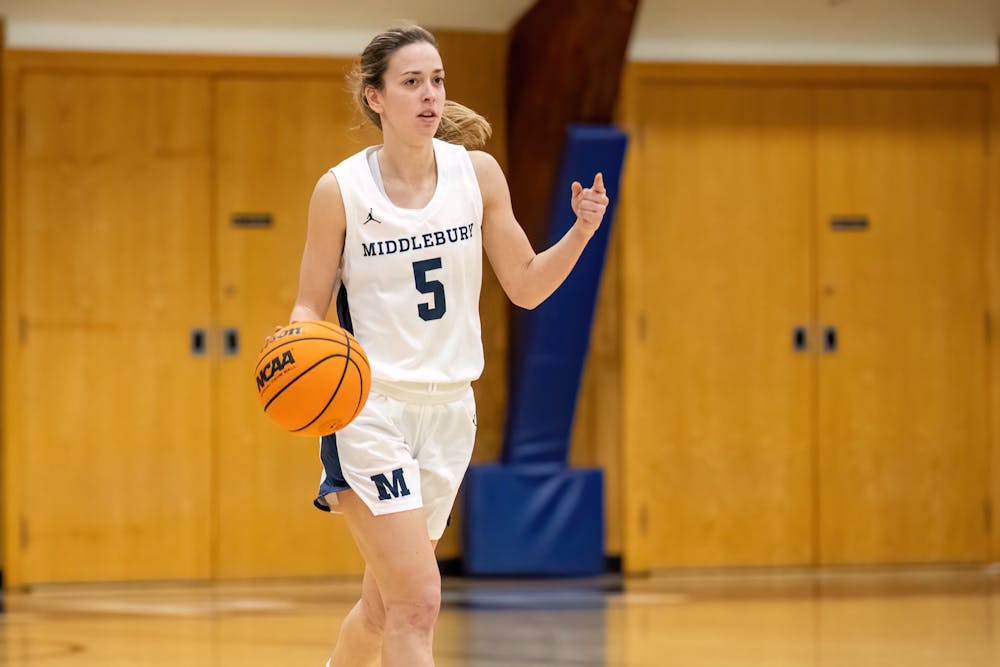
[409,448]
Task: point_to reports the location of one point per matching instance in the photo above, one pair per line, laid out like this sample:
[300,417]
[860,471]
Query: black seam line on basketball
[357,407]
[327,325]
[361,378]
[333,329]
[364,357]
[350,348]
[343,374]
[295,340]
[282,390]
[280,345]
[348,337]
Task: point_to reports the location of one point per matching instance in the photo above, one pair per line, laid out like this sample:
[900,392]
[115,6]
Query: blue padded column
[549,344]
[533,521]
[532,514]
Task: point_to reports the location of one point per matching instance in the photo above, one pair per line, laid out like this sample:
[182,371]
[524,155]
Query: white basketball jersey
[410,278]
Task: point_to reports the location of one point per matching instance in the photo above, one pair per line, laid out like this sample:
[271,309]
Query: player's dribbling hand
[267,341]
[590,203]
[277,328]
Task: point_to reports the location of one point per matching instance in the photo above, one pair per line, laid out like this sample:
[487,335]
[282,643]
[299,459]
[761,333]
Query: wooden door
[903,450]
[111,449]
[718,421]
[275,139]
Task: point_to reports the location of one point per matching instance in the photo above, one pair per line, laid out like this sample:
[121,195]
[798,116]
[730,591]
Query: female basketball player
[398,231]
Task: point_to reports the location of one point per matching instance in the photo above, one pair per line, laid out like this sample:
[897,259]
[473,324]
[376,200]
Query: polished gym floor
[940,617]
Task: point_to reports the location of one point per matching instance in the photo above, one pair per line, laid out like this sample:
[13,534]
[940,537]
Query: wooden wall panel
[719,459]
[993,263]
[3,198]
[472,59]
[958,489]
[903,445]
[113,449]
[253,279]
[157,190]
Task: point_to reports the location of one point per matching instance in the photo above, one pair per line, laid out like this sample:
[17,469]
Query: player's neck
[411,164]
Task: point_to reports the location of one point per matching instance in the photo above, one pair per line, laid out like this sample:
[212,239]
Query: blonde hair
[459,124]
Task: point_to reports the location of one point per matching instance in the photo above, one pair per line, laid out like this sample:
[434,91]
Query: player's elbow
[522,288]
[526,300]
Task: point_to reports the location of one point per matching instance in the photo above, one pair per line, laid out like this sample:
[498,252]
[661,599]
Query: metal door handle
[800,339]
[830,341]
[198,342]
[230,342]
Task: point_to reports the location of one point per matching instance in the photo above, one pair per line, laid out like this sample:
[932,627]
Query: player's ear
[374,98]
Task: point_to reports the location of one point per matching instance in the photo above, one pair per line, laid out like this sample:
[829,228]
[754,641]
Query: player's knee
[372,615]
[417,612]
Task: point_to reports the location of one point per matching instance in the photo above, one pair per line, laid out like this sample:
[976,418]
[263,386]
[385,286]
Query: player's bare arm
[527,277]
[324,244]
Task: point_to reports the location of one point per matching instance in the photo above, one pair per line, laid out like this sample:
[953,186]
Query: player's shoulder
[346,174]
[353,161]
[485,164]
[489,174]
[327,190]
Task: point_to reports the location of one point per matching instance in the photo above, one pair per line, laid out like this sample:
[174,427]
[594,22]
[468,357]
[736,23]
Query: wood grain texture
[154,63]
[903,444]
[11,368]
[250,282]
[630,214]
[784,619]
[950,475]
[4,150]
[114,440]
[719,456]
[809,75]
[993,259]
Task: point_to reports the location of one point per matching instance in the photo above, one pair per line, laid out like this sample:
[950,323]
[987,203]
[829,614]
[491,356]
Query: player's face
[412,97]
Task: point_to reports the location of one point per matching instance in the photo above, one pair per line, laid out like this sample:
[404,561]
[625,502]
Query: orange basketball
[312,378]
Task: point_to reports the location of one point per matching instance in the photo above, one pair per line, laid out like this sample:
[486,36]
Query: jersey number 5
[433,287]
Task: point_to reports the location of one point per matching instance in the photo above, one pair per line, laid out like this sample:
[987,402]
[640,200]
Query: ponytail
[461,125]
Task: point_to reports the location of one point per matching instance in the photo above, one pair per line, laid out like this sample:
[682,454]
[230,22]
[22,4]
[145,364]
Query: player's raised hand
[590,203]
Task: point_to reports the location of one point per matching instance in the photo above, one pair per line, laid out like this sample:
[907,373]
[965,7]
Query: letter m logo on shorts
[394,490]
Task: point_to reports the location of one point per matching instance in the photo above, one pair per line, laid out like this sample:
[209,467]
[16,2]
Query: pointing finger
[599,183]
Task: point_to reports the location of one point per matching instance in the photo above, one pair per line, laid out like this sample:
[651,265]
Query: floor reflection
[775,619]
